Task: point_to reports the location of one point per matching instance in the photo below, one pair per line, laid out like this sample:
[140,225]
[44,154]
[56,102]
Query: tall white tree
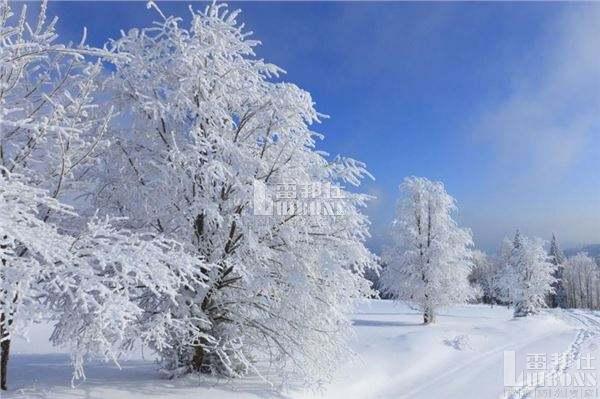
[528,275]
[504,273]
[430,258]
[202,122]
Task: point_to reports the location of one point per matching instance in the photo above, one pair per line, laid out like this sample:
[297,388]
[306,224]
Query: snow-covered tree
[557,299]
[51,119]
[556,254]
[84,274]
[202,122]
[86,284]
[104,292]
[527,277]
[581,279]
[45,117]
[23,231]
[504,273]
[430,259]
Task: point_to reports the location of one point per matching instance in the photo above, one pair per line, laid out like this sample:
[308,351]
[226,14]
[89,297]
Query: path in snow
[408,360]
[589,330]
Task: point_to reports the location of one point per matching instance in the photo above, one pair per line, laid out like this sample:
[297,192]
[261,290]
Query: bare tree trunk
[198,358]
[4,354]
[428,316]
[4,341]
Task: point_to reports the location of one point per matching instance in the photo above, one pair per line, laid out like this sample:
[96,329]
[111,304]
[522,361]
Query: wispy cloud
[551,114]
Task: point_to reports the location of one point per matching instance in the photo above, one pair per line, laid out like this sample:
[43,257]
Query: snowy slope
[459,357]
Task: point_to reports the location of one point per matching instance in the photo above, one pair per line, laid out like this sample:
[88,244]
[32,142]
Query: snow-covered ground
[462,356]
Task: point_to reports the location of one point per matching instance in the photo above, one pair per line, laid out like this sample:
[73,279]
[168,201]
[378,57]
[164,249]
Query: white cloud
[543,127]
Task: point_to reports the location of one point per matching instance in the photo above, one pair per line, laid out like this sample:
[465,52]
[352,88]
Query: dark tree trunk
[428,316]
[198,358]
[4,350]
[5,344]
[4,353]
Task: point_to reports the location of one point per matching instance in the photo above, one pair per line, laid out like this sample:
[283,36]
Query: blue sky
[499,101]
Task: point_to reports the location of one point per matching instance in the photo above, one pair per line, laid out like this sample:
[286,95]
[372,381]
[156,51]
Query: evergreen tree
[557,257]
[517,241]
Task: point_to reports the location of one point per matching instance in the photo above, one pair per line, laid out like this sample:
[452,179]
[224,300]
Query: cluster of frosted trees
[581,279]
[126,212]
[574,281]
[431,262]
